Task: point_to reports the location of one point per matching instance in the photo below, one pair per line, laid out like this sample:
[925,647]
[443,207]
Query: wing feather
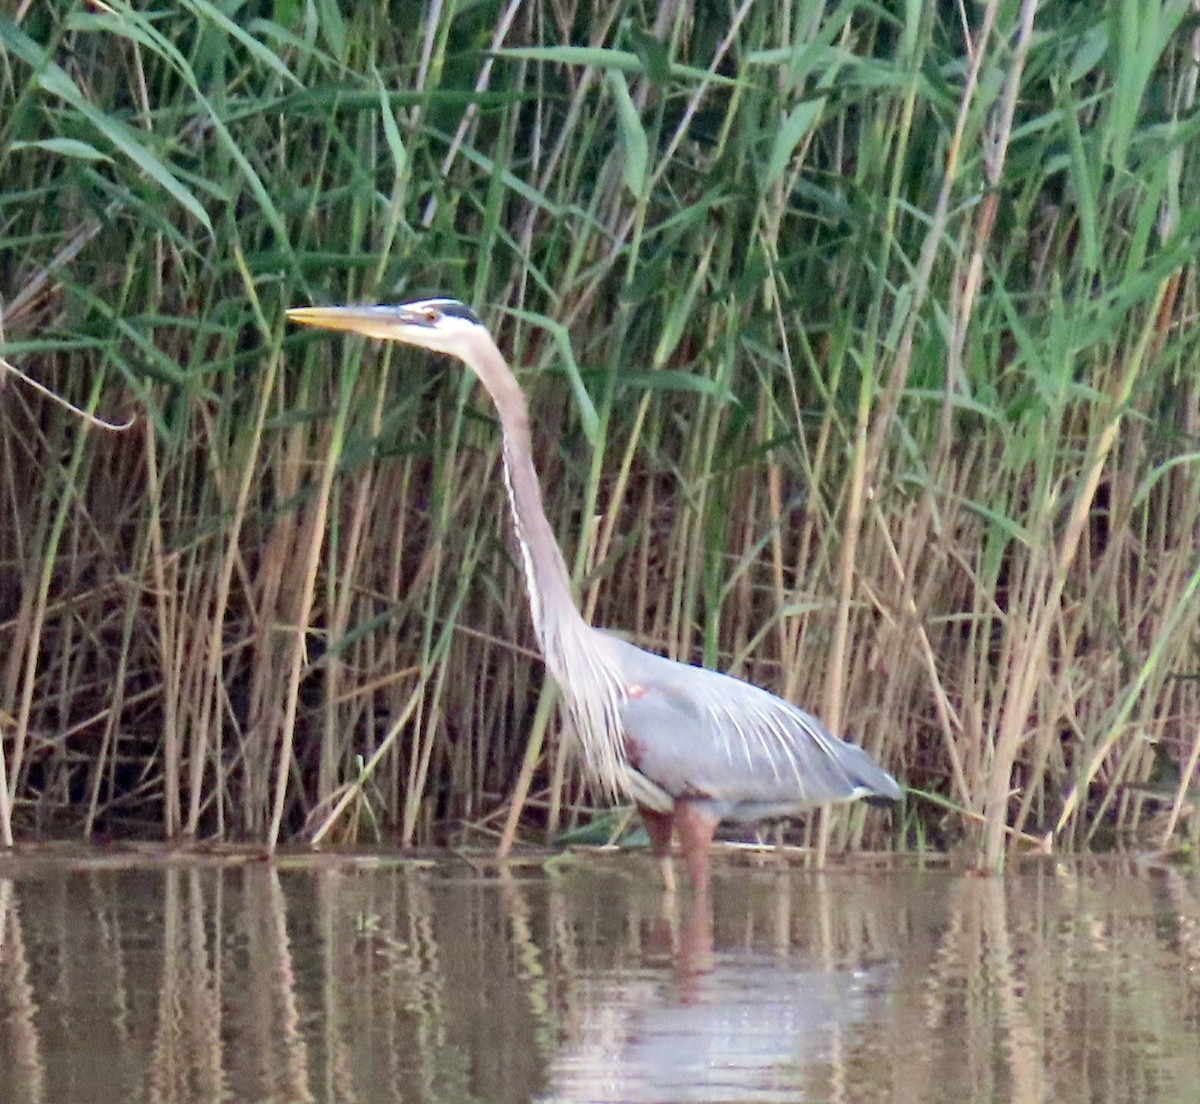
[701,733]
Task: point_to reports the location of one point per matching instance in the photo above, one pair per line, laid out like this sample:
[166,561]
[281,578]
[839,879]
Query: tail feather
[879,801]
[878,787]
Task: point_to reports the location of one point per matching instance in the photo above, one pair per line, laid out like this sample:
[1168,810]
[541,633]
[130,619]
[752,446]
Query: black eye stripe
[454,309]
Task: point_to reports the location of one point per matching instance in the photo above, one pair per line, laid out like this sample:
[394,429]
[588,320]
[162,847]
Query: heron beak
[385,323]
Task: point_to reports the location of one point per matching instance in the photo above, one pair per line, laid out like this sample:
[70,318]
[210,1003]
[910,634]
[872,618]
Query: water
[201,982]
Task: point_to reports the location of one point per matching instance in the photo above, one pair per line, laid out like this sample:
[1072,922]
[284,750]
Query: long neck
[546,577]
[577,659]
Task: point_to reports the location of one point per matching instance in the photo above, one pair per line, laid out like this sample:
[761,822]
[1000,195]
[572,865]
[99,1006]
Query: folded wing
[703,735]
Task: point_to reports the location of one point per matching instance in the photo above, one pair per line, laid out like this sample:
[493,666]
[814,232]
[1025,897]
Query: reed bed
[859,351]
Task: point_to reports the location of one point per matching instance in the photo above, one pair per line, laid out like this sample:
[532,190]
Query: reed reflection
[186,1059]
[20,1044]
[389,982]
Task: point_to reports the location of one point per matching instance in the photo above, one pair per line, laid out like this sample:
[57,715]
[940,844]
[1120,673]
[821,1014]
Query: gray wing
[700,734]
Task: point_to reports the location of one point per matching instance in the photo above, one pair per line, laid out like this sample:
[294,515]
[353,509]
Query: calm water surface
[202,983]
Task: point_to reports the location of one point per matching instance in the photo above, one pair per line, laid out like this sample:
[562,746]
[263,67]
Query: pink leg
[658,828]
[695,828]
[695,945]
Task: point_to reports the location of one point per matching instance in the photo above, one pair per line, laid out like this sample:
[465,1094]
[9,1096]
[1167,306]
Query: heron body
[691,747]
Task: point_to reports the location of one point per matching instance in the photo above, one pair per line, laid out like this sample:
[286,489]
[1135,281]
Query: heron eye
[431,315]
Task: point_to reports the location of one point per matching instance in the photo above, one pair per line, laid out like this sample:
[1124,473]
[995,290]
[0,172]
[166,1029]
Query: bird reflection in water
[395,983]
[737,1024]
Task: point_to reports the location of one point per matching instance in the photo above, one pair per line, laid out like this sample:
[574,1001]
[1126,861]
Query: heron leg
[658,828]
[695,955]
[696,828]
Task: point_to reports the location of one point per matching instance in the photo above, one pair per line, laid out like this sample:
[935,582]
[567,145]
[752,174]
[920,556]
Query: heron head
[441,325]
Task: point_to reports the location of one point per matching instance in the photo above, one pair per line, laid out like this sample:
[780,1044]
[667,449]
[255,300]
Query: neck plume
[546,578]
[576,657]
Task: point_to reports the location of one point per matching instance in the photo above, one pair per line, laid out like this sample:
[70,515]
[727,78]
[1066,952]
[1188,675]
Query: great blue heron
[689,746]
